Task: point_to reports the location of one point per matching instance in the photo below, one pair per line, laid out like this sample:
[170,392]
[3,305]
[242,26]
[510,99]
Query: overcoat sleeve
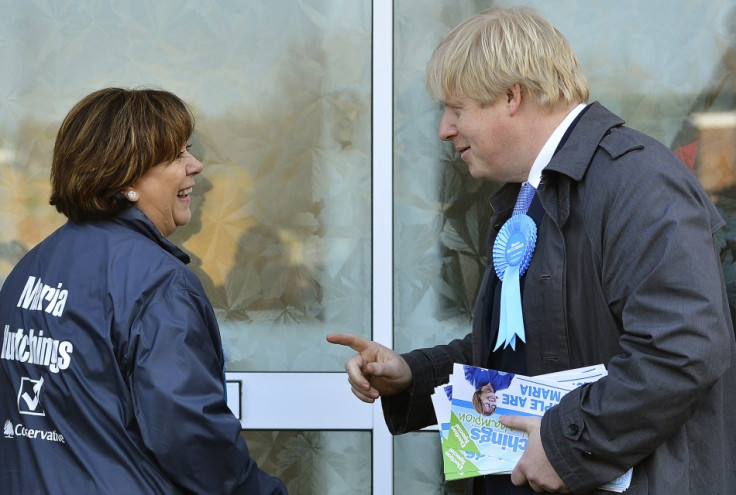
[430,368]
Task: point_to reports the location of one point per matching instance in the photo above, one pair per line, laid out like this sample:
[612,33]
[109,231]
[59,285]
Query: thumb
[523,423]
[379,369]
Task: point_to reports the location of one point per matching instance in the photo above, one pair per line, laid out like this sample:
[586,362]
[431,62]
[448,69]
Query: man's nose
[447,126]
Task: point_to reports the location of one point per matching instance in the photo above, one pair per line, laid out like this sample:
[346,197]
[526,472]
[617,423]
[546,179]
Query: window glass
[315,462]
[281,92]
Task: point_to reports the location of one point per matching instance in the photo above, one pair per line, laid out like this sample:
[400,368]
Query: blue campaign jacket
[111,371]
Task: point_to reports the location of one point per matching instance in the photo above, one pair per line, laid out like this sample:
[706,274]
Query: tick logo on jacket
[29,397]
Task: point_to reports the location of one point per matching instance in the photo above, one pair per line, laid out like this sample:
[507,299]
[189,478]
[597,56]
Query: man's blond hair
[483,57]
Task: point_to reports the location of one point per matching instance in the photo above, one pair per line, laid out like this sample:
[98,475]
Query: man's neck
[553,136]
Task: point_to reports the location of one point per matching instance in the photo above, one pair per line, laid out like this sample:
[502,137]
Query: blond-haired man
[620,267]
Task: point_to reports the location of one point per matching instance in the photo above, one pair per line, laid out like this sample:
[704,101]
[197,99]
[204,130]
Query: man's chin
[474,172]
[478,172]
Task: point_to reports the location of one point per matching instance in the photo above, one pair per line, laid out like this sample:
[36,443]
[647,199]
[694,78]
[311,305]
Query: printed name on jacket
[36,349]
[39,296]
[32,347]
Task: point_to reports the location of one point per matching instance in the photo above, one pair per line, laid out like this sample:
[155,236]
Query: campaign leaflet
[474,442]
[458,463]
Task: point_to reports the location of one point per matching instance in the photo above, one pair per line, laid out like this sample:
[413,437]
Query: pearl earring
[132,195]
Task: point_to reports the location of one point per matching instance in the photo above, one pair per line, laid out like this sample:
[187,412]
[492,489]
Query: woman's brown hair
[107,142]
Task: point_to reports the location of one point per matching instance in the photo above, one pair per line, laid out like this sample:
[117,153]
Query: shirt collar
[545,155]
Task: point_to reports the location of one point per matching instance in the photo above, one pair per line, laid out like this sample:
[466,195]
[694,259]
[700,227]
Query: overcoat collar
[568,164]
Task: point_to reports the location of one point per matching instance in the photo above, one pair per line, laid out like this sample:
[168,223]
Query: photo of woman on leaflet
[486,383]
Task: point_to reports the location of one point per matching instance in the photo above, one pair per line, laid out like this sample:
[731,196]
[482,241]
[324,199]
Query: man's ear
[513,98]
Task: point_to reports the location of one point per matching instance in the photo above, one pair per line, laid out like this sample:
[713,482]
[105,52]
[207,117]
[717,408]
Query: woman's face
[164,192]
[488,399]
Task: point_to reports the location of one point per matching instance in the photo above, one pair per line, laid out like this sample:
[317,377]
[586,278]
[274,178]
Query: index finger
[355,342]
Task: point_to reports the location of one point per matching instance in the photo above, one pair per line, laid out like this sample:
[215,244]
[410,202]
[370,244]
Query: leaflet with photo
[474,441]
[459,463]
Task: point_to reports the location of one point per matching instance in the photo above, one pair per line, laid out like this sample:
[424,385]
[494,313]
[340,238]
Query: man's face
[485,138]
[488,399]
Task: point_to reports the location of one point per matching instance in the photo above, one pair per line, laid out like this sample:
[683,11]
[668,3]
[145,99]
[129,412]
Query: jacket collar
[584,139]
[134,219]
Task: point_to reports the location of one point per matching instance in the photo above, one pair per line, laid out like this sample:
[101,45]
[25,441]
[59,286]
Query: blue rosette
[512,253]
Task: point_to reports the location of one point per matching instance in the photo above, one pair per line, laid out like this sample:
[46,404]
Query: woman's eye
[181,153]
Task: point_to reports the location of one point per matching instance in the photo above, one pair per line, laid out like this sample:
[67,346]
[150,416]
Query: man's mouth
[184,193]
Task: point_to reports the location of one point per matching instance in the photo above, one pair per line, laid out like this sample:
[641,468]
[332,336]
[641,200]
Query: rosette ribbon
[512,252]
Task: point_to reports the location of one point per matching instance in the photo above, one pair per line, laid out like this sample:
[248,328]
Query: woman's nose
[194,166]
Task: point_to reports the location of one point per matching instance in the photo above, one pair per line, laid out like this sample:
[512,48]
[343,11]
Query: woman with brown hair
[112,365]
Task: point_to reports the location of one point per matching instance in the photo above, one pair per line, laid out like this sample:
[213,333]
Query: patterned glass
[315,462]
[282,96]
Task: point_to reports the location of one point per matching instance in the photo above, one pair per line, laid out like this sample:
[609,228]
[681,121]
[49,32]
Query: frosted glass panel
[282,96]
[440,213]
[315,462]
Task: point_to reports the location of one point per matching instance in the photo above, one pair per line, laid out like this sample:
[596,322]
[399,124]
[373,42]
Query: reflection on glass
[315,462]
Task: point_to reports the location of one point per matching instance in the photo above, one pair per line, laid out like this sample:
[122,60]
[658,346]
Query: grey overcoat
[626,272]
